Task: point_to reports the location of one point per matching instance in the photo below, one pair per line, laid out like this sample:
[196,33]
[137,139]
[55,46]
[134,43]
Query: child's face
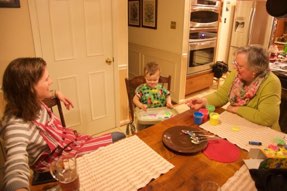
[152,80]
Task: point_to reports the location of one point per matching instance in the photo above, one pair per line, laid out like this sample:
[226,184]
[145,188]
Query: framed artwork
[134,13]
[149,13]
[10,3]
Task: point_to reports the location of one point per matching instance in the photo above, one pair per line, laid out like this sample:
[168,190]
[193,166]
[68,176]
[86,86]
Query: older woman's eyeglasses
[236,65]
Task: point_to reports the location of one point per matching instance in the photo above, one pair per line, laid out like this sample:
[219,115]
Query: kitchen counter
[280,69]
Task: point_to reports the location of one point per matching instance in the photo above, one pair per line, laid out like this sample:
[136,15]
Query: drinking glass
[64,170]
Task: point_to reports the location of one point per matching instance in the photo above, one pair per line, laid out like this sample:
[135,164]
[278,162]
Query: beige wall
[1,104]
[120,27]
[124,110]
[15,35]
[168,47]
[17,41]
[163,38]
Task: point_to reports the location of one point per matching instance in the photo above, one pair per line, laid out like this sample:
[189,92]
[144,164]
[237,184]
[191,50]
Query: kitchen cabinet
[280,34]
[198,82]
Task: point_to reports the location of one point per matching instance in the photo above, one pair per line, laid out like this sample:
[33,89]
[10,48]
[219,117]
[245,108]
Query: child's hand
[169,105]
[143,107]
[168,102]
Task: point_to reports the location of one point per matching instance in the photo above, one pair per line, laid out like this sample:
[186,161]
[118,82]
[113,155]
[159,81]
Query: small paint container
[214,118]
[210,108]
[205,114]
[198,117]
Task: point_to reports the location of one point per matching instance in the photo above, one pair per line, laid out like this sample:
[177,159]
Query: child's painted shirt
[152,97]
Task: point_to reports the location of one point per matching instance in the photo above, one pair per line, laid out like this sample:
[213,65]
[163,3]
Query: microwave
[208,3]
[204,17]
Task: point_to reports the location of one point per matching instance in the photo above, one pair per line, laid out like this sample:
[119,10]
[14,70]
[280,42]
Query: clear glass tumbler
[64,170]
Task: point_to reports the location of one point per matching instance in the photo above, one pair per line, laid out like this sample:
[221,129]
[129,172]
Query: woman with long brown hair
[33,135]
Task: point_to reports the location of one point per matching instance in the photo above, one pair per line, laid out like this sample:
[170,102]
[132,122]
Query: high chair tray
[153,115]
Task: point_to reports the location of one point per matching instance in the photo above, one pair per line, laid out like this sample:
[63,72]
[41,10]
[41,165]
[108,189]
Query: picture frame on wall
[149,14]
[9,3]
[134,13]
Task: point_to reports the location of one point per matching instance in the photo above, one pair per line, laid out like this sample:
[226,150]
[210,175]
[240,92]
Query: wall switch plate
[172,24]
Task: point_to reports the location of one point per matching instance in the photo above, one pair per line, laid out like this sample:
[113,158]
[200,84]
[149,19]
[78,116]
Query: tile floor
[197,94]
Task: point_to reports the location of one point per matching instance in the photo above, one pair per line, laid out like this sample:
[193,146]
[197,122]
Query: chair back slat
[55,102]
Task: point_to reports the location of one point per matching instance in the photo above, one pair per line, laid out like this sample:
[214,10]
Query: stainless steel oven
[202,47]
[204,15]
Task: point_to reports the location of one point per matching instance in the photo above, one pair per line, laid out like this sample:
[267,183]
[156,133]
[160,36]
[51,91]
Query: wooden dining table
[190,170]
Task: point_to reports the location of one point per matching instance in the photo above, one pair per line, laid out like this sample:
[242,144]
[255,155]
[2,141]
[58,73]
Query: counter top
[278,66]
[280,69]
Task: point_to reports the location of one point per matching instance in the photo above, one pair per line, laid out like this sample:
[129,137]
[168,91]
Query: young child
[152,94]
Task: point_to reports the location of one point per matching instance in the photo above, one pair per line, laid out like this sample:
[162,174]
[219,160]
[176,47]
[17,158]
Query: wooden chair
[2,160]
[131,85]
[53,102]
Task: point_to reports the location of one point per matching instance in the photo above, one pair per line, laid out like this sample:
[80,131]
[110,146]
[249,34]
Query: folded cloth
[269,179]
[222,150]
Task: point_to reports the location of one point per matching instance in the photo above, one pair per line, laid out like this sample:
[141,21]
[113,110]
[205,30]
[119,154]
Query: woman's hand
[232,109]
[196,103]
[67,102]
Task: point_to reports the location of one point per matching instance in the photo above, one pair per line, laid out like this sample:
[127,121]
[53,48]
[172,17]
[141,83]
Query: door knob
[109,61]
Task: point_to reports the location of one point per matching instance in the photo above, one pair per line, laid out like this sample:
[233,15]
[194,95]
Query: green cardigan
[263,108]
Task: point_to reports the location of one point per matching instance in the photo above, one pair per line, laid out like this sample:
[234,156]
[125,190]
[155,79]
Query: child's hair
[151,68]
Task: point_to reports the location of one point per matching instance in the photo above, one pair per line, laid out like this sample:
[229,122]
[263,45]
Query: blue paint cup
[198,117]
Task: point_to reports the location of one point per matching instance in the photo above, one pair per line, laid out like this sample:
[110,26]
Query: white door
[75,38]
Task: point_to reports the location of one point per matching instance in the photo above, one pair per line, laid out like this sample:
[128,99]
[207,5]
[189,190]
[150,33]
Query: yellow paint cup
[214,118]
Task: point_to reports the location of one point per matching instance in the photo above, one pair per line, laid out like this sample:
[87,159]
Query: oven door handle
[202,25]
[202,44]
[202,8]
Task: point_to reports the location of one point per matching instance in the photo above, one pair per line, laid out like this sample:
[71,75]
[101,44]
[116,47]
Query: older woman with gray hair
[253,91]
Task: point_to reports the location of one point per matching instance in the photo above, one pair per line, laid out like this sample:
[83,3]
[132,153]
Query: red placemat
[222,150]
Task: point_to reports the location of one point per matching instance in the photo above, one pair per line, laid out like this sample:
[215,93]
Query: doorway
[76,40]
